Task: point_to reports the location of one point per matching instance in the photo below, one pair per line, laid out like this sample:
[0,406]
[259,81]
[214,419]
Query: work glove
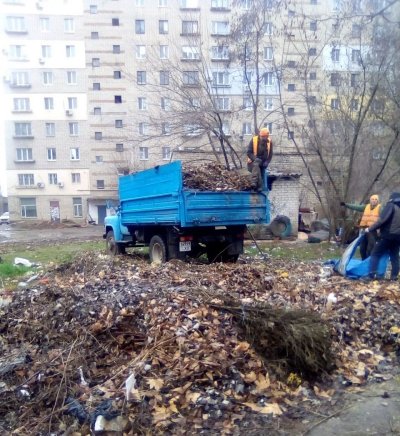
[257,161]
[366,230]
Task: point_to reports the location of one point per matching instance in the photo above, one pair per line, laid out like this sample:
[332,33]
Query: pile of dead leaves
[212,176]
[117,342]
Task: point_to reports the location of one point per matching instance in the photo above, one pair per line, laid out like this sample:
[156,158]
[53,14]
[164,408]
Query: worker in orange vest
[370,216]
[259,154]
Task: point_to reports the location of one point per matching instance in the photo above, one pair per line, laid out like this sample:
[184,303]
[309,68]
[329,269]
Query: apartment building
[99,88]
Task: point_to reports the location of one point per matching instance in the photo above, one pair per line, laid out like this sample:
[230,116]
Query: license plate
[185,246]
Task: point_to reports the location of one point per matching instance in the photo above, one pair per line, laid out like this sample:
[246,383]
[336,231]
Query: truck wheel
[113,247]
[157,250]
[217,253]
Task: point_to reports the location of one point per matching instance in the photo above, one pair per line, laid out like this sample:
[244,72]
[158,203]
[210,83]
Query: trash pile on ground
[117,344]
[212,176]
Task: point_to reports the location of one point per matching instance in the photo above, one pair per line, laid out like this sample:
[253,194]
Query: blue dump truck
[156,210]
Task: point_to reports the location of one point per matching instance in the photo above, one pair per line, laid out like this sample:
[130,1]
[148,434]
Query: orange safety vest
[255,147]
[370,216]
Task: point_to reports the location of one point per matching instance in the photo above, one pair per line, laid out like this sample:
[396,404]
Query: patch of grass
[8,270]
[301,251]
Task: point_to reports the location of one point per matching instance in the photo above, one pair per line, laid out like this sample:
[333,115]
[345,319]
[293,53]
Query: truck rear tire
[113,247]
[157,250]
[218,253]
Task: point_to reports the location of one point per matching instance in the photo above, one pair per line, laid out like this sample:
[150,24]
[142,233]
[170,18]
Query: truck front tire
[157,250]
[113,247]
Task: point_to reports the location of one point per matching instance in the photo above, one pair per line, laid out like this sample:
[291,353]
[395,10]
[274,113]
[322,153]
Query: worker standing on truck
[259,153]
[369,217]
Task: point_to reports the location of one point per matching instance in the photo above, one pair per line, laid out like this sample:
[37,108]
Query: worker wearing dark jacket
[259,153]
[370,216]
[389,226]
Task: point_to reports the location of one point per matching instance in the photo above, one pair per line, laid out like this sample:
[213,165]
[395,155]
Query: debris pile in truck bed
[118,342]
[212,176]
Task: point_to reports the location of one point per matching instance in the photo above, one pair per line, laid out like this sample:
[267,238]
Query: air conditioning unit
[41,61]
[69,113]
[40,185]
[60,184]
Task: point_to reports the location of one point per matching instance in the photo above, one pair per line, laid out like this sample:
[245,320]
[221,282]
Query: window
[69,25]
[141,77]
[24,154]
[77,206]
[190,78]
[142,103]
[143,128]
[21,104]
[140,52]
[93,9]
[94,35]
[95,62]
[70,51]
[98,136]
[139,27]
[165,104]
[96,86]
[76,177]
[377,105]
[334,103]
[28,207]
[116,49]
[194,102]
[189,52]
[74,153]
[290,134]
[335,54]
[246,128]
[313,26]
[46,51]
[220,52]
[268,103]
[26,180]
[50,129]
[164,77]
[51,153]
[312,52]
[291,87]
[314,2]
[246,4]
[115,21]
[47,77]
[268,126]
[71,78]
[190,27]
[53,179]
[16,24]
[290,111]
[20,78]
[143,153]
[356,31]
[44,24]
[162,3]
[188,4]
[117,99]
[220,4]
[220,78]
[268,79]
[49,103]
[119,147]
[268,53]
[163,51]
[166,153]
[220,27]
[72,102]
[99,159]
[17,52]
[222,103]
[23,129]
[268,28]
[356,56]
[97,111]
[354,104]
[335,79]
[117,74]
[139,2]
[247,104]
[192,130]
[119,124]
[73,128]
[313,75]
[353,80]
[291,13]
[165,129]
[291,64]
[163,27]
[312,100]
